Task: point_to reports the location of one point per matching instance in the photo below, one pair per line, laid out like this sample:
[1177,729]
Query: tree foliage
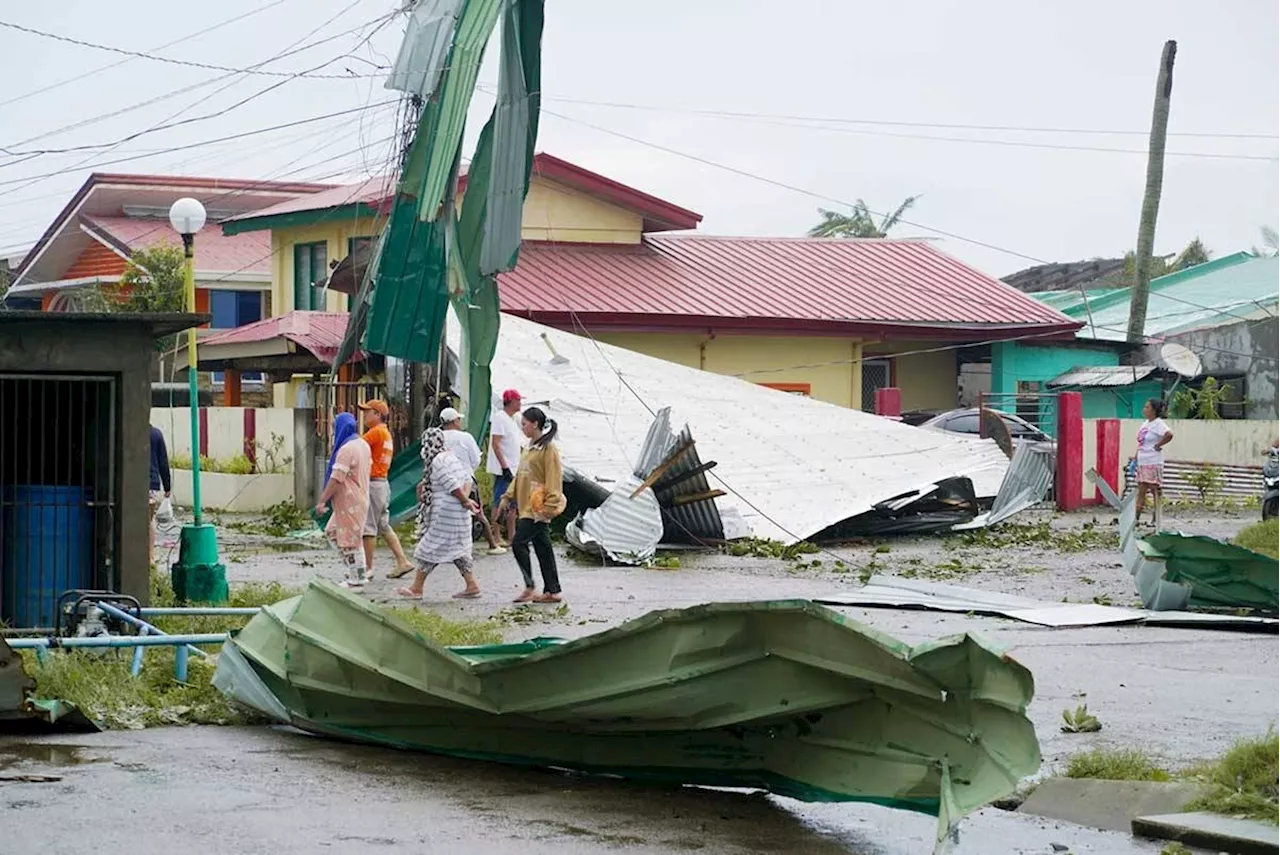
[1192,254]
[859,222]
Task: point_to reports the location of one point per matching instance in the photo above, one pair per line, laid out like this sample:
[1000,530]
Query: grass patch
[1112,764]
[102,687]
[444,631]
[1262,536]
[1243,782]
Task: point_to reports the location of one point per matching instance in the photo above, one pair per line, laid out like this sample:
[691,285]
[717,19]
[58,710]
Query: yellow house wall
[929,381]
[759,359]
[554,212]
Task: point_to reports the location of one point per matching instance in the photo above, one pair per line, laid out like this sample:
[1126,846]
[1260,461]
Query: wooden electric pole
[1151,197]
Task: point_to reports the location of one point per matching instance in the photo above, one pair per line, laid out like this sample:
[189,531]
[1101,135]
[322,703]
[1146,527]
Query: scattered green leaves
[1042,536]
[756,547]
[1080,720]
[526,615]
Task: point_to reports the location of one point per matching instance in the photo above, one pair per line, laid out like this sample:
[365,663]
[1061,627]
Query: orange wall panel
[96,260]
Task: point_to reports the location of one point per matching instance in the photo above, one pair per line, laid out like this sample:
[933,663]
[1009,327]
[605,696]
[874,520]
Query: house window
[232,309]
[310,270]
[790,388]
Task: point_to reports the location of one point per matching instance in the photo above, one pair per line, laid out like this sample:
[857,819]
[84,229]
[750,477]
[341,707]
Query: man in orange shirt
[378,522]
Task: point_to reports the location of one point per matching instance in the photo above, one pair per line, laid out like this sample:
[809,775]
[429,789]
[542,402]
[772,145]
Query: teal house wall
[1015,362]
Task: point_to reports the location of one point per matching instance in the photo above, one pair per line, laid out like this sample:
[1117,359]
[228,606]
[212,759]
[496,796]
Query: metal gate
[58,496]
[876,374]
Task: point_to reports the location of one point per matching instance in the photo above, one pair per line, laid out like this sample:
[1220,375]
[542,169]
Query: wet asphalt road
[1179,694]
[275,791]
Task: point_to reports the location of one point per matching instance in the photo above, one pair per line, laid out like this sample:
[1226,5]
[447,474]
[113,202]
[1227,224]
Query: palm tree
[1270,243]
[859,222]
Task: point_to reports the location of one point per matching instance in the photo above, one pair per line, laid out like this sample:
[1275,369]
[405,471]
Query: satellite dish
[1180,359]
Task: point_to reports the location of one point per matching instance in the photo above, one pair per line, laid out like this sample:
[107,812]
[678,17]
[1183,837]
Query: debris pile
[783,696]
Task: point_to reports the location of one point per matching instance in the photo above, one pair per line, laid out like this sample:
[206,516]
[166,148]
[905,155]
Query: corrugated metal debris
[665,499]
[898,593]
[1025,485]
[1103,375]
[791,466]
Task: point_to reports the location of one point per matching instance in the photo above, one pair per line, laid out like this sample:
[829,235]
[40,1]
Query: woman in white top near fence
[1153,436]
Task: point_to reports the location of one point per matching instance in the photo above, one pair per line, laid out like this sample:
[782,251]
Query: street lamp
[198,576]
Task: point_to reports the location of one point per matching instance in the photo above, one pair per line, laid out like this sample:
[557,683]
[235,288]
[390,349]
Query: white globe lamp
[187,216]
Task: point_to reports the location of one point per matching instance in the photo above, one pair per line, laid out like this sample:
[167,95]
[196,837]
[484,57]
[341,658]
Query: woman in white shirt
[1153,436]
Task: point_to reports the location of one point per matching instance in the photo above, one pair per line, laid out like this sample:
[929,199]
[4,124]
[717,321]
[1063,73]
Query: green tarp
[784,696]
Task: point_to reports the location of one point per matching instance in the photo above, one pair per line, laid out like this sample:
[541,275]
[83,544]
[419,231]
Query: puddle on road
[45,754]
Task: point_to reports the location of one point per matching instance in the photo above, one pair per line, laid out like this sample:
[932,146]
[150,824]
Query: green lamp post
[198,576]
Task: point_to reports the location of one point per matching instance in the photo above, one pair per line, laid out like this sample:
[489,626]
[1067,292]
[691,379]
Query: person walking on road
[1153,436]
[465,448]
[346,488]
[382,449]
[539,498]
[445,510]
[161,480]
[504,457]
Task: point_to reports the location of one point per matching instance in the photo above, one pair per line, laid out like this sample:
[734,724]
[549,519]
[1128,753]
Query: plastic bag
[164,513]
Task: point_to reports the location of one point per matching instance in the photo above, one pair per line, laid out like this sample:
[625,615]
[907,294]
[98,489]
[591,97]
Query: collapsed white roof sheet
[792,466]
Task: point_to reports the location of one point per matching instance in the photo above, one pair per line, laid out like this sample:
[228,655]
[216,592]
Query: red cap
[510,395]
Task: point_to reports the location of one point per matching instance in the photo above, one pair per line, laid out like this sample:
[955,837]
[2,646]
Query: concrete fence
[1233,447]
[275,447]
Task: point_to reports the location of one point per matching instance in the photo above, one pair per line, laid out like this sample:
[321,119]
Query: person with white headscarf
[445,510]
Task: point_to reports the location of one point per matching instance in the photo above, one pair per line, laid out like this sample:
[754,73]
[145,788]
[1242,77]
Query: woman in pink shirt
[347,489]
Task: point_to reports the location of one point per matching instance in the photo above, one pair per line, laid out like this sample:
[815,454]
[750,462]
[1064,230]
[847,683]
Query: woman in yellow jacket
[538,492]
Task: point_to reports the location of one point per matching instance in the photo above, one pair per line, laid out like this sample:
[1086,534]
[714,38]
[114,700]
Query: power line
[726,114]
[201,143]
[188,63]
[291,51]
[120,62]
[1008,143]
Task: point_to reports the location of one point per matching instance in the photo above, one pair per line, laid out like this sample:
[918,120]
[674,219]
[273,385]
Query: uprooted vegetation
[1262,536]
[1243,782]
[99,682]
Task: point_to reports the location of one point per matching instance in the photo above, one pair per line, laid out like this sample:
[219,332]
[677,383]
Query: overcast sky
[849,69]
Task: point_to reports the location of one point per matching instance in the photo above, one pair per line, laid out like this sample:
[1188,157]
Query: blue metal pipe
[181,661]
[199,610]
[119,641]
[117,612]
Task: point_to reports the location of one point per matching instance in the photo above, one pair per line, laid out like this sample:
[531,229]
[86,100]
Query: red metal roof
[215,252]
[659,215]
[319,333]
[814,285]
[372,192]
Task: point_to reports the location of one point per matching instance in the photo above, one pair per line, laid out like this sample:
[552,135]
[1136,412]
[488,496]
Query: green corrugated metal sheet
[1217,292]
[786,696]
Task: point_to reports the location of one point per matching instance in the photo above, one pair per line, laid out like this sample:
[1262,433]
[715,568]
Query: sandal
[526,596]
[548,598]
[466,595]
[401,572]
[409,593]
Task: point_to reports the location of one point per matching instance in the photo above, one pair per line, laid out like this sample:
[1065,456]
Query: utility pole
[1151,197]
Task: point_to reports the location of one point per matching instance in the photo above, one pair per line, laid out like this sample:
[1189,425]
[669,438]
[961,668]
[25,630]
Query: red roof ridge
[791,239]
